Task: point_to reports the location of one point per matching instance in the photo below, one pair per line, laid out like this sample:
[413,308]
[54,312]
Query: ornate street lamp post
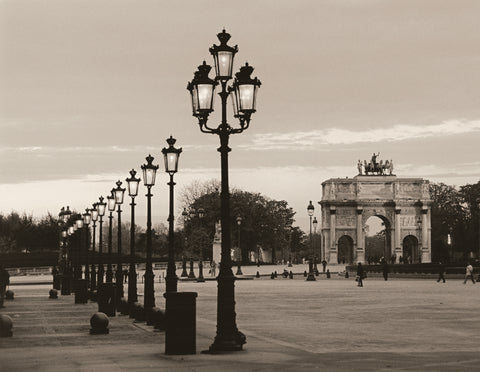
[171,155]
[132,183]
[310,211]
[78,268]
[239,267]
[243,93]
[101,212]
[119,193]
[315,224]
[200,279]
[184,260]
[87,218]
[111,209]
[93,272]
[478,205]
[149,173]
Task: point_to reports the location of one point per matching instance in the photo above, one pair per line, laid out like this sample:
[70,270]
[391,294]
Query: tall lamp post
[315,224]
[78,267]
[149,173]
[93,271]
[132,183]
[243,92]
[111,209]
[101,212]
[478,205]
[87,218]
[170,156]
[239,266]
[119,193]
[310,211]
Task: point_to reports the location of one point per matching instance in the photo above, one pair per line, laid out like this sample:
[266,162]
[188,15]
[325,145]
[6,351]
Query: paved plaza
[291,325]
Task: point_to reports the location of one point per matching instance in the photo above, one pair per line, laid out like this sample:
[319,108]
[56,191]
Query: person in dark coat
[441,272]
[360,274]
[385,269]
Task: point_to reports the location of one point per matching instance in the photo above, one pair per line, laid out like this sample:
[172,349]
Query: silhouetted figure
[360,274]
[469,273]
[328,274]
[441,272]
[324,265]
[385,269]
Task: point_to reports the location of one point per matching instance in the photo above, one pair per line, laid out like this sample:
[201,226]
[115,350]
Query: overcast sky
[89,88]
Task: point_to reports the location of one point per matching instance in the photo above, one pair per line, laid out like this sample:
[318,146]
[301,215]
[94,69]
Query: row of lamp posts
[243,95]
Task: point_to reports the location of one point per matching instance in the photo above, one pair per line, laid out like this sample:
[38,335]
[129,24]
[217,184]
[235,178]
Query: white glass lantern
[223,56]
[149,171]
[94,212]
[132,183]
[310,209]
[119,192]
[245,90]
[101,207]
[111,202]
[171,155]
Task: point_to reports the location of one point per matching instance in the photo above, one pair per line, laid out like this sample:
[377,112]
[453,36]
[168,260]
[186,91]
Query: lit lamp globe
[310,209]
[101,207]
[202,89]
[94,213]
[132,184]
[111,202]
[223,55]
[149,172]
[119,193]
[87,217]
[244,92]
[170,156]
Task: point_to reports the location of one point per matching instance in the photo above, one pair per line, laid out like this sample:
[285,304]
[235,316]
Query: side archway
[410,249]
[345,250]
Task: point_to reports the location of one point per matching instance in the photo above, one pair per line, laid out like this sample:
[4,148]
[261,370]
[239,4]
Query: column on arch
[333,256]
[426,252]
[360,238]
[398,242]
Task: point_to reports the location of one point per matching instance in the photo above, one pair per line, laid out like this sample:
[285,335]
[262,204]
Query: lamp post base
[224,343]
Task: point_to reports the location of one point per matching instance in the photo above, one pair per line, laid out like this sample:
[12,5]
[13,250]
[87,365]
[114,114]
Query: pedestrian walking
[4,281]
[469,273]
[441,272]
[360,275]
[385,269]
[324,265]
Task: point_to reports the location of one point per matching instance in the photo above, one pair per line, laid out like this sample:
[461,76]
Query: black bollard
[290,275]
[305,273]
[258,275]
[53,293]
[328,274]
[346,275]
[272,276]
[99,324]
[6,326]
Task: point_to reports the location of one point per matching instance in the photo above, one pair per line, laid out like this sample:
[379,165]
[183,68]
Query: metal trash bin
[180,323]
[81,291]
[57,281]
[106,298]
[66,285]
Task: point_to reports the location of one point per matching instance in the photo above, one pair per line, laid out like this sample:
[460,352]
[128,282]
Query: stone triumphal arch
[403,204]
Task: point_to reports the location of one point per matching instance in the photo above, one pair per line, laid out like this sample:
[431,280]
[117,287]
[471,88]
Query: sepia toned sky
[88,88]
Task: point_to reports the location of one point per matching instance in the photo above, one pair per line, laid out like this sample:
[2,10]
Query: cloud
[333,136]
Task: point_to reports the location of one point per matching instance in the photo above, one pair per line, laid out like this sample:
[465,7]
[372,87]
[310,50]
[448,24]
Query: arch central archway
[377,239]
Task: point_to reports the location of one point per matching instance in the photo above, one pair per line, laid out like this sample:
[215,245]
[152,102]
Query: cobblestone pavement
[291,325]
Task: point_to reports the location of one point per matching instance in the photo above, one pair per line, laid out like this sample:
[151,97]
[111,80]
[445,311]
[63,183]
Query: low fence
[425,268]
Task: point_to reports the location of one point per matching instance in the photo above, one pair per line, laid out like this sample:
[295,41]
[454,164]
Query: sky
[89,88]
